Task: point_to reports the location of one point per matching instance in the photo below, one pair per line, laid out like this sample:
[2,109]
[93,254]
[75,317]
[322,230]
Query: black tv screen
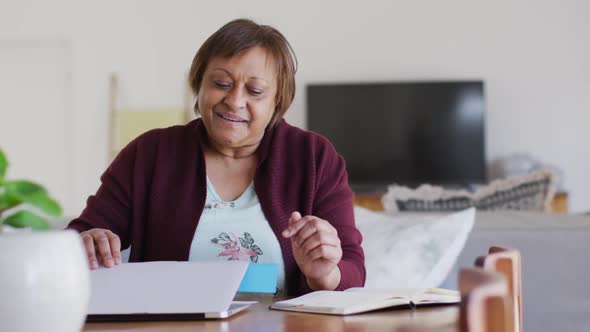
[403,132]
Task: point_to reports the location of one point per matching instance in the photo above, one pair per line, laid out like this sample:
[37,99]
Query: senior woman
[237,183]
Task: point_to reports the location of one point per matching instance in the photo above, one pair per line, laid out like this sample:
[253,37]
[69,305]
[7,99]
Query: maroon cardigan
[153,194]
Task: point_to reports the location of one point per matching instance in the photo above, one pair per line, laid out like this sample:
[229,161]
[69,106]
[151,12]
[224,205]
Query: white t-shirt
[236,230]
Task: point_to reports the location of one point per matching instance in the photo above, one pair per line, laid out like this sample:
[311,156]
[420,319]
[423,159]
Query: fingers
[295,223]
[313,227]
[325,252]
[319,239]
[294,217]
[115,243]
[313,237]
[102,247]
[307,226]
[90,252]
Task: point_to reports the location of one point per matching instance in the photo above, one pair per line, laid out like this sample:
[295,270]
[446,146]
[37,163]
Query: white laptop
[166,291]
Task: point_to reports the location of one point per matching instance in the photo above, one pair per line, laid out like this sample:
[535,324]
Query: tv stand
[371,201]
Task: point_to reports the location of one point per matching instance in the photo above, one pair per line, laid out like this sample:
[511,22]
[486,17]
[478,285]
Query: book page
[355,300]
[437,296]
[342,303]
[406,293]
[416,295]
[340,300]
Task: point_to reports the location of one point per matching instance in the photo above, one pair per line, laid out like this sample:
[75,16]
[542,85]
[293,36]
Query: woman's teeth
[232,120]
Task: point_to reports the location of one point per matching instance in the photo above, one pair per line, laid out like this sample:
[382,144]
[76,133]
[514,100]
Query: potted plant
[24,203]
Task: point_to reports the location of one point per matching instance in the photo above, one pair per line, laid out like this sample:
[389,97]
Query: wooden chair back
[485,304]
[508,262]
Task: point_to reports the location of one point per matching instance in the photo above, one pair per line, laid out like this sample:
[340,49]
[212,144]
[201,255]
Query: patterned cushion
[449,204]
[532,192]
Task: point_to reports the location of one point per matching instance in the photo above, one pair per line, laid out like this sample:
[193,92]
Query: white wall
[533,56]
[34,84]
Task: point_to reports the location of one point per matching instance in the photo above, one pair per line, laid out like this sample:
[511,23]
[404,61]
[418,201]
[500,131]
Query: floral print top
[236,230]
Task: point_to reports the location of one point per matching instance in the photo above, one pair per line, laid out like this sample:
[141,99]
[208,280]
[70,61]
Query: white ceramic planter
[44,282]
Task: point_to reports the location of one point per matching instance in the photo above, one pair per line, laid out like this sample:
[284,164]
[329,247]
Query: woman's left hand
[316,248]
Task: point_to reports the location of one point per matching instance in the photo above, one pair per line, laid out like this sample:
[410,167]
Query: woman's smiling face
[237,98]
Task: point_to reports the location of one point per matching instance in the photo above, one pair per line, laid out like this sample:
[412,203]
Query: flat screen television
[403,132]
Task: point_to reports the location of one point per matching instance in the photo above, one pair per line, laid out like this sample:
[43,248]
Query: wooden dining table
[259,317]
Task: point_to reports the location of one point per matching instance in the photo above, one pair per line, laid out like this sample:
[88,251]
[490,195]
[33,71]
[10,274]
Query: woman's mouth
[231,117]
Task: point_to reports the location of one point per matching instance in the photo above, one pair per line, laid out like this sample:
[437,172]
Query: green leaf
[8,201]
[18,192]
[21,188]
[26,219]
[3,165]
[45,204]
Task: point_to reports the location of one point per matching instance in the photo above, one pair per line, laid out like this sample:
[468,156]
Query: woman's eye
[256,92]
[222,85]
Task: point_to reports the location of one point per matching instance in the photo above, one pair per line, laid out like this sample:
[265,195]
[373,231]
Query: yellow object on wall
[131,123]
[127,124]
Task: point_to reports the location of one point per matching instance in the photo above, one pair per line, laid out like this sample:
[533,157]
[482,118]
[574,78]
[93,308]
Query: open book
[357,300]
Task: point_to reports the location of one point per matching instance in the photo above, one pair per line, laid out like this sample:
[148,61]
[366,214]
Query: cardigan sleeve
[334,203]
[110,207]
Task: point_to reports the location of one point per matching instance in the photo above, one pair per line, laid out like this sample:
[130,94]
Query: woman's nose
[235,99]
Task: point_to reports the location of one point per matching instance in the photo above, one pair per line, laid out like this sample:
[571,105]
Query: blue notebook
[260,278]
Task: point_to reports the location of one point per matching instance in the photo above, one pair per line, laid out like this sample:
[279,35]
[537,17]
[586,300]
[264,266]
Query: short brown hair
[238,36]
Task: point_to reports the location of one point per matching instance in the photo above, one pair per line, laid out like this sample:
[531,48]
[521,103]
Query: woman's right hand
[102,247]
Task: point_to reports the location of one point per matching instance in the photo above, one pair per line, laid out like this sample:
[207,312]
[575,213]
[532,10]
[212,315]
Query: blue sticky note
[260,278]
